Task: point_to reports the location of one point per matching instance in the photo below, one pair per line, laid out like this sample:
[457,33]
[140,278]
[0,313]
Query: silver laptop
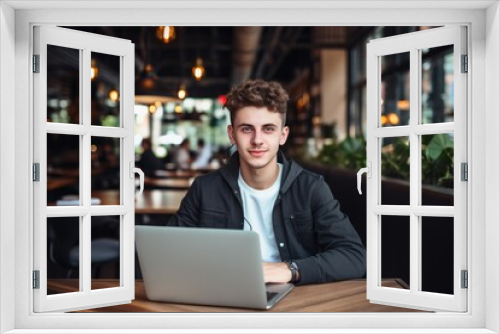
[205,267]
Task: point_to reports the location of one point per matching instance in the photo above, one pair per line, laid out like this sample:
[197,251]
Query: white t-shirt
[258,211]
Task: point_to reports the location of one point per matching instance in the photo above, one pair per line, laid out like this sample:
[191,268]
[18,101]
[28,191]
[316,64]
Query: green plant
[437,160]
[350,153]
[436,157]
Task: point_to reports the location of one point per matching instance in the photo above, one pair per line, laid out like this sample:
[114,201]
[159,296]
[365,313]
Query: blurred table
[177,174]
[150,202]
[54,183]
[168,183]
[344,296]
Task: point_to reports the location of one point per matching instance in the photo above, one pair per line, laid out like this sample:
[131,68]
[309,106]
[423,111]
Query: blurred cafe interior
[181,77]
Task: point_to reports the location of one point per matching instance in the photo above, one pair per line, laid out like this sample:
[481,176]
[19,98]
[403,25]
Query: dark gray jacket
[308,225]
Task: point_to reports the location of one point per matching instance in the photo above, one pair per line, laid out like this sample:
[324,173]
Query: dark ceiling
[230,54]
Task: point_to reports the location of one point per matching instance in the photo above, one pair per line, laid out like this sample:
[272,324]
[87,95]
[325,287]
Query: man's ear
[230,134]
[284,135]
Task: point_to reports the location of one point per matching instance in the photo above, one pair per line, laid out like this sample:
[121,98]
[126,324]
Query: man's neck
[261,178]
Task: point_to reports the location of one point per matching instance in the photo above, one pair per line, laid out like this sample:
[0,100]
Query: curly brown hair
[257,93]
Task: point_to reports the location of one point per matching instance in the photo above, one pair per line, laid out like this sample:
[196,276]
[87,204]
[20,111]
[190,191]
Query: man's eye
[269,129]
[246,129]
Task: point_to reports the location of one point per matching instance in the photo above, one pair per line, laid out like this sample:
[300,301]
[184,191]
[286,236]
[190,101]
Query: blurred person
[203,156]
[149,162]
[305,238]
[183,155]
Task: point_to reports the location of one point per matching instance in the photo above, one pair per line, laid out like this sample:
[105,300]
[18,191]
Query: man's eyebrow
[253,126]
[245,124]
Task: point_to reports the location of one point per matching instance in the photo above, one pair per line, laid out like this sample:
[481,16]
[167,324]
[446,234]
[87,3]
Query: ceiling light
[181,94]
[113,95]
[148,80]
[198,69]
[94,71]
[152,109]
[165,34]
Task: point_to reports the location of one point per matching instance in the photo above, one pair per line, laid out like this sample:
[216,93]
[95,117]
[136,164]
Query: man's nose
[257,138]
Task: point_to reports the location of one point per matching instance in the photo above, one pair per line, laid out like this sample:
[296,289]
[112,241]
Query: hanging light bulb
[94,71]
[165,34]
[181,94]
[152,108]
[148,77]
[113,95]
[198,69]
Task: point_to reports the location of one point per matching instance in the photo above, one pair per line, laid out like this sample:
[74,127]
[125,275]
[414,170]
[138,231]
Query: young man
[304,236]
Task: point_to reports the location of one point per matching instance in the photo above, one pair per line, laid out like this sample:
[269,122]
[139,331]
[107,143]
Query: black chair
[64,248]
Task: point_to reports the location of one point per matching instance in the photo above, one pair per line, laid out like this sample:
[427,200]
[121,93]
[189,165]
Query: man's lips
[256,153]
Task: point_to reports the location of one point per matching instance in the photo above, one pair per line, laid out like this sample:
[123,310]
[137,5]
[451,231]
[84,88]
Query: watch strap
[294,269]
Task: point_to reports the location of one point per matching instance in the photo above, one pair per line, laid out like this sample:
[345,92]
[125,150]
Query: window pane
[437,169]
[395,171]
[63,255]
[437,85]
[395,90]
[437,254]
[63,85]
[395,254]
[63,169]
[105,76]
[105,159]
[105,251]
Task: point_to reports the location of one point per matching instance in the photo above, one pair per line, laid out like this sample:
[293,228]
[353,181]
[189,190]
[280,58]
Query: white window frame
[484,103]
[123,50]
[413,43]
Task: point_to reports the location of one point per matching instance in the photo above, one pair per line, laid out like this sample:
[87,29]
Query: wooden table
[150,202]
[168,183]
[177,174]
[54,183]
[344,296]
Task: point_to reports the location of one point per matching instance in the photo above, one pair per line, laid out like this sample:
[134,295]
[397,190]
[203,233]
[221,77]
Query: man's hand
[276,272]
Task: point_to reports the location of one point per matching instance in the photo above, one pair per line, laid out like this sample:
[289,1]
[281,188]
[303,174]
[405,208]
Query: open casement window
[84,127]
[416,131]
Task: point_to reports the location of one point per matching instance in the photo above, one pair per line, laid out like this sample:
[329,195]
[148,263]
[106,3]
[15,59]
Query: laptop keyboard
[270,295]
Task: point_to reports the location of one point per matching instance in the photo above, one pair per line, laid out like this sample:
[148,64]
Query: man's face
[257,133]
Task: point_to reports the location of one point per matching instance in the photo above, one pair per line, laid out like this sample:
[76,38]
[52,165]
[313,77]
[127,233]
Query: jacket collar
[291,170]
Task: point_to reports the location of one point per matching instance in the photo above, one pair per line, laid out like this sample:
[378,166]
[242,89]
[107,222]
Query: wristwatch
[294,269]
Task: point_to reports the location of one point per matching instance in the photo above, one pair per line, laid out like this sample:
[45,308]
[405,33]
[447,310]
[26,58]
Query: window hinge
[465,64]
[36,279]
[465,279]
[36,63]
[464,171]
[36,172]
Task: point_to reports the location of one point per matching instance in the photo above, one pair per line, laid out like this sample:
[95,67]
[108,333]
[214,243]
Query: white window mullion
[373,183]
[67,129]
[415,254]
[85,237]
[107,131]
[433,129]
[392,131]
[66,211]
[108,210]
[392,210]
[460,156]
[85,255]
